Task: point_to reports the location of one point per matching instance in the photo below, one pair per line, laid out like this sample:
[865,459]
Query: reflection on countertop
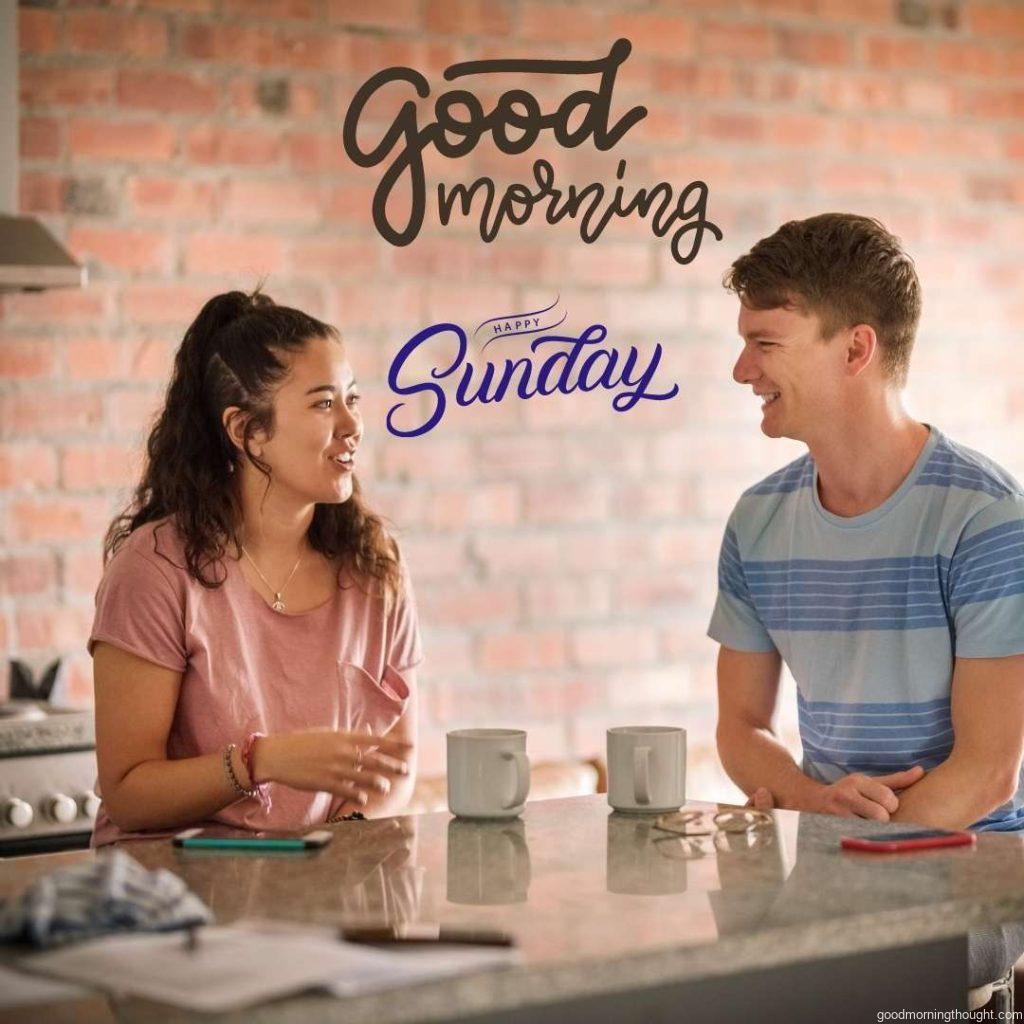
[579,886]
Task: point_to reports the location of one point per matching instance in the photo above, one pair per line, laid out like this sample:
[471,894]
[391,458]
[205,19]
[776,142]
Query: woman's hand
[348,764]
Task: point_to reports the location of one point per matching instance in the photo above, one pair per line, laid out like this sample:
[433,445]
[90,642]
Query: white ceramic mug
[488,773]
[646,768]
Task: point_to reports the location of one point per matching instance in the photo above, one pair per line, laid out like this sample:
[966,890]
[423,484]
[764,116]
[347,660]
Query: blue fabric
[110,893]
[870,612]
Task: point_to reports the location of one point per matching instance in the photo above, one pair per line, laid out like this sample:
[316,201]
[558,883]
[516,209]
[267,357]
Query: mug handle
[522,763]
[641,775]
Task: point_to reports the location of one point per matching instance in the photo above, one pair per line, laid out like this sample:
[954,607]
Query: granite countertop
[598,901]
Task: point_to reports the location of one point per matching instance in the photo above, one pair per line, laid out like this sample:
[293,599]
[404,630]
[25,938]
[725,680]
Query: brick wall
[563,553]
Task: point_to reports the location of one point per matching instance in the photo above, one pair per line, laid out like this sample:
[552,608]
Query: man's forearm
[954,795]
[754,757]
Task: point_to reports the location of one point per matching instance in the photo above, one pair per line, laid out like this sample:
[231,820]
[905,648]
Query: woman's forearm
[172,793]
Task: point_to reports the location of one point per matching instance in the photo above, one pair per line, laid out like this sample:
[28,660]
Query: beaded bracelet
[229,768]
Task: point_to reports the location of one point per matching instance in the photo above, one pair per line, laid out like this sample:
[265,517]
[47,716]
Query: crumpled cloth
[111,893]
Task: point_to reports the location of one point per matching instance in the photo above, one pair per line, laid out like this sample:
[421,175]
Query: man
[885,566]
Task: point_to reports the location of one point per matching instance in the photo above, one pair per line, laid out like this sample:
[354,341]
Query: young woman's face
[317,425]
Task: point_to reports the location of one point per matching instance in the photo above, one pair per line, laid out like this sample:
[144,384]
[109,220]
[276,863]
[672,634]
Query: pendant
[278,604]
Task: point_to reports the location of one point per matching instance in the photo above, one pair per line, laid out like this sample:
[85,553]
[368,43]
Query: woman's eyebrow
[330,387]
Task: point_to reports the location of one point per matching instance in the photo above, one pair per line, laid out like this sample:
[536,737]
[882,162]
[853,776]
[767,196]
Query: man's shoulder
[794,476]
[956,467]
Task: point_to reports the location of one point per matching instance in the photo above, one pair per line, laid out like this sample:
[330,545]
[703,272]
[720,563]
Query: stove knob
[90,803]
[17,813]
[61,808]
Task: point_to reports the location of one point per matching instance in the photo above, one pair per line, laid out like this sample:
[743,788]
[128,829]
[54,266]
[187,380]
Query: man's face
[794,372]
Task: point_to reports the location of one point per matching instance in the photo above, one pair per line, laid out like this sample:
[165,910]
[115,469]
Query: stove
[47,777]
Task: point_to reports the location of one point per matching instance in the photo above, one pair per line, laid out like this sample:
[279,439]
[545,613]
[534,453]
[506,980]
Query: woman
[255,637]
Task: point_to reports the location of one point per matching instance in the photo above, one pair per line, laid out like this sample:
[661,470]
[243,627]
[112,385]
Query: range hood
[30,257]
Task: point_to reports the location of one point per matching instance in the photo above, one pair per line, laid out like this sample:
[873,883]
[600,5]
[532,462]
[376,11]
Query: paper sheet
[238,966]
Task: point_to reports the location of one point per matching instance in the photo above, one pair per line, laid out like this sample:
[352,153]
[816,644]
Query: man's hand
[854,796]
[866,796]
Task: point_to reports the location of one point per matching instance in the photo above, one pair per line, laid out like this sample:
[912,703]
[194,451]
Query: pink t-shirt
[246,668]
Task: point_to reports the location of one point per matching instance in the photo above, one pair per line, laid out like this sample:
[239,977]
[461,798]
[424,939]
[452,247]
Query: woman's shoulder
[159,543]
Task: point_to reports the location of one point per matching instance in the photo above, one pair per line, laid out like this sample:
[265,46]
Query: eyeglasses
[695,834]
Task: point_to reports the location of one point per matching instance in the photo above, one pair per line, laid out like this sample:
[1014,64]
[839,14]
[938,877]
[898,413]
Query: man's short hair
[845,268]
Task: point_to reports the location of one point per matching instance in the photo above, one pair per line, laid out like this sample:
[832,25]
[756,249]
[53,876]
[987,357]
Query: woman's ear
[234,423]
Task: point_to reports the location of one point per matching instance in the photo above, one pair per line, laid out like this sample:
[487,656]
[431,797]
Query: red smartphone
[901,842]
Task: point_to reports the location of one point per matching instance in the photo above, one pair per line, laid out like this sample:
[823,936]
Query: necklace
[278,604]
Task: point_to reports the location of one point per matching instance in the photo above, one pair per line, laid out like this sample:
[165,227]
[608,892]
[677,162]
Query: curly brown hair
[229,357]
[845,268]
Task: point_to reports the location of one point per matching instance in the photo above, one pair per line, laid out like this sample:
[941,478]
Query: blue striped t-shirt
[869,612]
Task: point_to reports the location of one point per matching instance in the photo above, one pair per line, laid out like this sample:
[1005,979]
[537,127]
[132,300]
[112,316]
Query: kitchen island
[614,919]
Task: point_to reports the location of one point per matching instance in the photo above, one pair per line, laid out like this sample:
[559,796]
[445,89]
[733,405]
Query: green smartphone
[200,838]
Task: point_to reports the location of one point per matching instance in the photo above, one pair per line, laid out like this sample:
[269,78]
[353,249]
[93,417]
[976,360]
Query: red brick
[732,126]
[123,248]
[394,14]
[316,152]
[58,519]
[819,49]
[246,147]
[259,46]
[859,94]
[27,358]
[614,644]
[234,254]
[172,197]
[516,650]
[500,456]
[163,303]
[969,57]
[1005,20]
[304,99]
[80,691]
[122,140]
[483,504]
[28,574]
[66,87]
[343,258]
[698,80]
[151,359]
[59,305]
[898,53]
[431,557]
[625,263]
[39,193]
[94,359]
[566,22]
[567,598]
[267,201]
[39,138]
[25,415]
[132,412]
[96,465]
[469,604]
[567,501]
[167,92]
[468,18]
[668,35]
[300,10]
[49,627]
[82,568]
[130,35]
[375,52]
[658,590]
[37,30]
[742,42]
[27,465]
